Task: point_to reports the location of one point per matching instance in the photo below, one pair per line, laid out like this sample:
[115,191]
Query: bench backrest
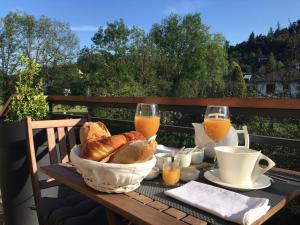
[60,140]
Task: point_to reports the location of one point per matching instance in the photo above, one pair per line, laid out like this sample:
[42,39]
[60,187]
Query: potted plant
[15,179]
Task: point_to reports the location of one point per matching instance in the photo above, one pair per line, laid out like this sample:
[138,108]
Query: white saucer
[261,182]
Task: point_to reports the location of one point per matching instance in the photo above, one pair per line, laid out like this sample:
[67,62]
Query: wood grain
[71,137]
[56,123]
[51,145]
[32,161]
[62,145]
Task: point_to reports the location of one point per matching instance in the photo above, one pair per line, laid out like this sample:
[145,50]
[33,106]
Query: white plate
[261,182]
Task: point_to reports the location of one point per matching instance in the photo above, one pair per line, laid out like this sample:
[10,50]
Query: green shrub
[30,100]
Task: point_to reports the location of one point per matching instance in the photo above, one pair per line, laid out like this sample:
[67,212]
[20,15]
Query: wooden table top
[135,207]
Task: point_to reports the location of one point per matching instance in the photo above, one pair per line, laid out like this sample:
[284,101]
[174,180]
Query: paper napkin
[226,204]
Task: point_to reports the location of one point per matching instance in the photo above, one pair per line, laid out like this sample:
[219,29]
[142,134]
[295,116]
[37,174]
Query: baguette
[104,147]
[134,152]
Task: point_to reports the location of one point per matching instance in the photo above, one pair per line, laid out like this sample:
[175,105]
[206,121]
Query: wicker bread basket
[111,177]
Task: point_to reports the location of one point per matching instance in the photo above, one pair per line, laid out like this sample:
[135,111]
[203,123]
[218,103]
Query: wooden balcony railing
[274,108]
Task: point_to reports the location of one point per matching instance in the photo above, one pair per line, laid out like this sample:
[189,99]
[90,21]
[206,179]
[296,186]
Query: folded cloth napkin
[226,204]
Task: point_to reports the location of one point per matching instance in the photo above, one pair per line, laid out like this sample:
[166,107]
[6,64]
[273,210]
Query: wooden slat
[32,162]
[119,203]
[143,199]
[175,213]
[62,145]
[132,194]
[57,123]
[51,145]
[48,183]
[71,137]
[158,205]
[193,221]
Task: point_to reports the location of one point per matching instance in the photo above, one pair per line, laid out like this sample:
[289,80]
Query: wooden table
[135,207]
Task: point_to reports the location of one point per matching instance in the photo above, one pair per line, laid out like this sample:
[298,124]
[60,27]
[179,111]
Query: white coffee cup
[240,165]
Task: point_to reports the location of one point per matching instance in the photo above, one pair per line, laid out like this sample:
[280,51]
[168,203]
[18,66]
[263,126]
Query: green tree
[236,86]
[217,65]
[66,78]
[114,38]
[46,41]
[185,45]
[262,70]
[272,63]
[112,72]
[251,37]
[145,57]
[179,57]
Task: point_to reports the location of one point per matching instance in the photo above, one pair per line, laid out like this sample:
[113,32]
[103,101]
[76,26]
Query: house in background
[285,81]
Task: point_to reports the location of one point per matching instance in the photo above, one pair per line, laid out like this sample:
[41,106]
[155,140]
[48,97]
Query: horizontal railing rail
[255,106]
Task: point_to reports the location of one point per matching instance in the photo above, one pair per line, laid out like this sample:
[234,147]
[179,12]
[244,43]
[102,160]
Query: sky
[235,19]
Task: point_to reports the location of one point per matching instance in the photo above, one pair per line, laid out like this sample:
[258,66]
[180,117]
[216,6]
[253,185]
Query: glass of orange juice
[147,119]
[171,171]
[217,122]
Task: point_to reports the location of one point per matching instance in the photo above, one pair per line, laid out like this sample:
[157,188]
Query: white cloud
[84,28]
[170,10]
[184,6]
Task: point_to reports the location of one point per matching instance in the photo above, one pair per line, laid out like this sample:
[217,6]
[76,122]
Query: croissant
[93,130]
[102,148]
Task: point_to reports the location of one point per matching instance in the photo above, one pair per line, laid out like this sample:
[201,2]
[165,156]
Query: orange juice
[171,175]
[216,128]
[147,125]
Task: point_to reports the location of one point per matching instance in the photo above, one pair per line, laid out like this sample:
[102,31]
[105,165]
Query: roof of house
[247,76]
[282,75]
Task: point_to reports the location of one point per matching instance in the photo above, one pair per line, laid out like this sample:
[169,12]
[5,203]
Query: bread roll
[92,131]
[99,149]
[134,152]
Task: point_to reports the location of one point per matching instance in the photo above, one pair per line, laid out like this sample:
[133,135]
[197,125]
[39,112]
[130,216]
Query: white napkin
[226,204]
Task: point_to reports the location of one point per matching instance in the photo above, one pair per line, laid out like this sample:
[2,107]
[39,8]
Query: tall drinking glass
[217,122]
[147,119]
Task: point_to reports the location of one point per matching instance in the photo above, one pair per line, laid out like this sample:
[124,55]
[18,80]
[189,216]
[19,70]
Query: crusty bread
[92,131]
[136,151]
[102,148]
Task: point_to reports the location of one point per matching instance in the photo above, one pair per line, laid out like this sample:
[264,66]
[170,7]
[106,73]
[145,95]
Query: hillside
[262,54]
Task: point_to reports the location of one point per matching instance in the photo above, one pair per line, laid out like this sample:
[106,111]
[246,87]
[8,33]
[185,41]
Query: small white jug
[231,139]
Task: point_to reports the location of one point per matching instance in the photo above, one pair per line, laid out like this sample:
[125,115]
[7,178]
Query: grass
[70,109]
